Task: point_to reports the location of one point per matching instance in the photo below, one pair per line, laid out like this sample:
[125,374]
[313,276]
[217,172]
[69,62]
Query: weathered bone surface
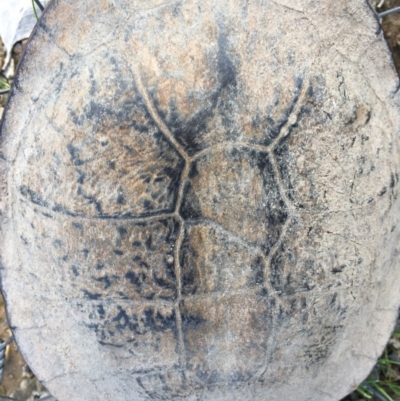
[202,199]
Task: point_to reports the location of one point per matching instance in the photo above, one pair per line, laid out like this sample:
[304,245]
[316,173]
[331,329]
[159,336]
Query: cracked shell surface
[202,199]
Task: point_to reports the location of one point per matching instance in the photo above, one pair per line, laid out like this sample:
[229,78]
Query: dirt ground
[391,28]
[18,381]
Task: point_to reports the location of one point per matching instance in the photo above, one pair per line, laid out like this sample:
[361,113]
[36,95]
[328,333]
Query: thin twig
[3,346]
[388,12]
[3,397]
[3,91]
[47,398]
[39,4]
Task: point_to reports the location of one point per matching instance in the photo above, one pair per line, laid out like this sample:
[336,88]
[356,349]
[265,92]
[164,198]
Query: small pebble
[10,70]
[17,49]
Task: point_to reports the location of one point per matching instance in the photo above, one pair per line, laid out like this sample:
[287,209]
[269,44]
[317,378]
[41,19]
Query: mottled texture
[199,199]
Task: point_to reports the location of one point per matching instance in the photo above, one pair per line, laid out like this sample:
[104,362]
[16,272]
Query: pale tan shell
[202,199]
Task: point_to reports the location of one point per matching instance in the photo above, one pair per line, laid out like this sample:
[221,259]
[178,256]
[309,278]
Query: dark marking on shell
[90,295]
[35,198]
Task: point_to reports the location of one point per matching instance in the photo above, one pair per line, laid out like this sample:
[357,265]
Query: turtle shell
[202,199]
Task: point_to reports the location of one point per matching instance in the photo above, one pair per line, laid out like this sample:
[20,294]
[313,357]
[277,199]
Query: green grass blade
[34,10]
[379,388]
[364,392]
[394,387]
[4,84]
